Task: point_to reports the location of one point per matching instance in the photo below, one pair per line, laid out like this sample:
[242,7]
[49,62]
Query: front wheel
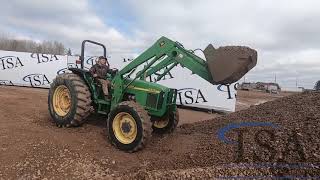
[166,124]
[129,126]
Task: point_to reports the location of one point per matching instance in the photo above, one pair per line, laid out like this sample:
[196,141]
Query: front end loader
[138,107]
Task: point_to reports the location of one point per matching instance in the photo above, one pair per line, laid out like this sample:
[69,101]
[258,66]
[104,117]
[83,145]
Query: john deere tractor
[138,107]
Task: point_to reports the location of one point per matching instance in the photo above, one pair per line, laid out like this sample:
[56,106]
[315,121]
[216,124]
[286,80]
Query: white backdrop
[38,70]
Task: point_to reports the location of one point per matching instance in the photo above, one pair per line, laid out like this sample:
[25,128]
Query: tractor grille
[160,100]
[152,100]
[171,99]
[155,100]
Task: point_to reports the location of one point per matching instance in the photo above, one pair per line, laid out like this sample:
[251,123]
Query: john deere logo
[162,43]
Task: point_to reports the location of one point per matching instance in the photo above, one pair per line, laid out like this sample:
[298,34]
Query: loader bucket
[230,63]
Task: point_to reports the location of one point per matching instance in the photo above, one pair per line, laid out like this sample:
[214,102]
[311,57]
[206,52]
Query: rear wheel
[129,126]
[69,100]
[166,124]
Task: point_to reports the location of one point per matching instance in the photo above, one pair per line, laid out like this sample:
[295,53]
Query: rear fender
[84,74]
[80,72]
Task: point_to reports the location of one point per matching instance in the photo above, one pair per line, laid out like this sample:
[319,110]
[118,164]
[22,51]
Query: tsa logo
[44,58]
[6,82]
[91,61]
[62,71]
[66,70]
[227,89]
[223,131]
[190,96]
[10,62]
[70,65]
[36,80]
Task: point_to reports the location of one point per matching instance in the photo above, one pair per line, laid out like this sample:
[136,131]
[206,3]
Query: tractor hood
[146,86]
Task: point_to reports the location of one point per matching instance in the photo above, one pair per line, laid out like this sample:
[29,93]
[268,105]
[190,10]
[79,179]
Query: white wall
[38,70]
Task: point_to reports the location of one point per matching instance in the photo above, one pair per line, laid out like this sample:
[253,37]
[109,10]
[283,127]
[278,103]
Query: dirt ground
[32,147]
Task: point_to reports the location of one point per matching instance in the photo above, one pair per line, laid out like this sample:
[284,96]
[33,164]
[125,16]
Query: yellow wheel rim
[124,128]
[61,100]
[161,123]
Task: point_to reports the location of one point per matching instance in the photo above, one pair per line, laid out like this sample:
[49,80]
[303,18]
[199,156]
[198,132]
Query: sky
[286,33]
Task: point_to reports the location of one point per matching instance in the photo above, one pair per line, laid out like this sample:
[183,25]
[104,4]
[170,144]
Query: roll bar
[83,47]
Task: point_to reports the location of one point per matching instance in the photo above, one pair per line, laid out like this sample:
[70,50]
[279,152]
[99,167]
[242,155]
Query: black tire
[143,126]
[173,120]
[80,107]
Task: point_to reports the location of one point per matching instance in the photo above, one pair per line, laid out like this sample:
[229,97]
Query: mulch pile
[288,149]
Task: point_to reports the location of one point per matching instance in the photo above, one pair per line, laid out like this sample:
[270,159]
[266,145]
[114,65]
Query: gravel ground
[32,147]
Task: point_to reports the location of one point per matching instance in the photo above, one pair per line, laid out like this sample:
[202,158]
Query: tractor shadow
[97,123]
[97,120]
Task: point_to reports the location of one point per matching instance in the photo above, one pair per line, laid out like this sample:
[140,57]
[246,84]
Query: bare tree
[8,43]
[317,86]
[69,53]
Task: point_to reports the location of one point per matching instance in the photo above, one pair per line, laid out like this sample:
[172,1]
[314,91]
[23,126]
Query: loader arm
[164,53]
[186,59]
[224,65]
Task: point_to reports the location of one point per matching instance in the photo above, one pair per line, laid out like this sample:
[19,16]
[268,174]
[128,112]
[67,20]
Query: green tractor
[138,107]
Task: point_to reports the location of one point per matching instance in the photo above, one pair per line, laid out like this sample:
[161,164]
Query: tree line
[44,47]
